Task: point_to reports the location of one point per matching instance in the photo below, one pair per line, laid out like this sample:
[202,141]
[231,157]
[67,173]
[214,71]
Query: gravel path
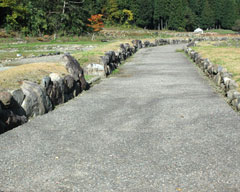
[157,126]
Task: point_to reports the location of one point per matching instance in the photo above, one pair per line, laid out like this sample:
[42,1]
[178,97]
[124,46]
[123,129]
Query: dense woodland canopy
[71,16]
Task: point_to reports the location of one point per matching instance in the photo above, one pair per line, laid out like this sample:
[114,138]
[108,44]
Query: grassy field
[12,78]
[222,31]
[226,54]
[30,46]
[27,47]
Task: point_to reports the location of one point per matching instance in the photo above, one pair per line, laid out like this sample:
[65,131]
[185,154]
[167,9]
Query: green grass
[88,56]
[88,77]
[179,50]
[52,43]
[116,71]
[226,56]
[29,49]
[222,31]
[12,55]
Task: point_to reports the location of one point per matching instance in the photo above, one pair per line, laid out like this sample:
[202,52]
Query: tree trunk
[64,6]
[93,36]
[161,24]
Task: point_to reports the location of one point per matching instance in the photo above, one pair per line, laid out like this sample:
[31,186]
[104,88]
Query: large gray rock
[18,96]
[69,84]
[69,87]
[12,120]
[95,69]
[55,90]
[36,101]
[112,60]
[46,81]
[11,117]
[2,125]
[236,103]
[105,60]
[55,77]
[146,44]
[123,51]
[75,70]
[218,79]
[138,44]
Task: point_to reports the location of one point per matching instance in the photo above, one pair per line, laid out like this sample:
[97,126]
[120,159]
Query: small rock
[6,99]
[55,77]
[95,69]
[45,82]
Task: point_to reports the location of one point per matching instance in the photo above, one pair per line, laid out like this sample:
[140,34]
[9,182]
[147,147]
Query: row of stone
[112,59]
[205,35]
[17,106]
[33,99]
[219,75]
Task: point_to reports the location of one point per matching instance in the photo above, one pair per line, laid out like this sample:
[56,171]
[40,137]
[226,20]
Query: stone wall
[33,99]
[219,75]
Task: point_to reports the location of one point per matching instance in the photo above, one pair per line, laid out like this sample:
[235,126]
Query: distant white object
[19,55]
[198,30]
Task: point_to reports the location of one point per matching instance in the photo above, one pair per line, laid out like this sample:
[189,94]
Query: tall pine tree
[207,16]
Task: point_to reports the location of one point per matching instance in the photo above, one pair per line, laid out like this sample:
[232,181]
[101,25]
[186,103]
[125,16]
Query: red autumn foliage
[96,22]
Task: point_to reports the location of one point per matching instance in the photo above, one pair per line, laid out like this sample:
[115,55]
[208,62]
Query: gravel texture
[156,126]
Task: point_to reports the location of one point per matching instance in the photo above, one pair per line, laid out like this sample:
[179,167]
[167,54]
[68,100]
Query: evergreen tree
[217,7]
[160,14]
[70,16]
[207,16]
[176,18]
[190,20]
[229,14]
[144,13]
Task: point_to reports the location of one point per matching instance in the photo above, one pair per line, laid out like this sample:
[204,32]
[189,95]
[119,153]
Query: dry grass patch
[13,77]
[228,57]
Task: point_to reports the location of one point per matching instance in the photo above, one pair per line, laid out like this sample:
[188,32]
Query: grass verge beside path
[12,78]
[225,56]
[93,56]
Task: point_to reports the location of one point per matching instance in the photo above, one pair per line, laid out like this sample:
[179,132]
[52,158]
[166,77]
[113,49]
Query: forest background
[71,17]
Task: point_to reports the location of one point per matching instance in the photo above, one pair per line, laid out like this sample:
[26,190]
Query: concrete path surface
[158,126]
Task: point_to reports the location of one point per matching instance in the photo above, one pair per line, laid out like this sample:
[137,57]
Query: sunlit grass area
[108,39]
[222,31]
[12,78]
[226,54]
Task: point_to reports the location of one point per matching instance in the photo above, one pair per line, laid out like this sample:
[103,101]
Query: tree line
[72,16]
